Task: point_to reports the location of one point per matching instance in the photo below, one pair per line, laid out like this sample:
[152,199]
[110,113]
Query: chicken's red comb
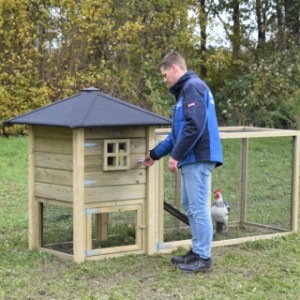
[218,191]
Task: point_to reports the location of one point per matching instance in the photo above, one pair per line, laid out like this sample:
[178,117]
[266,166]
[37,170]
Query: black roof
[90,108]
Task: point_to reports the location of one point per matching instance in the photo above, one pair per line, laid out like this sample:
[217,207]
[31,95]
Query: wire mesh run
[268,196]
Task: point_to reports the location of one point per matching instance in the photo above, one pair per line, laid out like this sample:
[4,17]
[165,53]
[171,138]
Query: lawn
[267,269]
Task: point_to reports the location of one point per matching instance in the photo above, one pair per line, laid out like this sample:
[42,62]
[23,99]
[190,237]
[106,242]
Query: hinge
[89,211]
[160,246]
[89,182]
[141,160]
[89,145]
[91,252]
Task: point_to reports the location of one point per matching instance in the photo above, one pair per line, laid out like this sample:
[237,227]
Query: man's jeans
[195,186]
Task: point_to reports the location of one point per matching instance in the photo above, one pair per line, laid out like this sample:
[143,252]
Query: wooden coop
[243,204]
[86,174]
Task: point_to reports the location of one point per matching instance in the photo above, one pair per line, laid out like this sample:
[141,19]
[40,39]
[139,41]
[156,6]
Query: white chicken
[219,212]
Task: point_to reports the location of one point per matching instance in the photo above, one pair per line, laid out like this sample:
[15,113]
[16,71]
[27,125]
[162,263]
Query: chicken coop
[259,180]
[90,196]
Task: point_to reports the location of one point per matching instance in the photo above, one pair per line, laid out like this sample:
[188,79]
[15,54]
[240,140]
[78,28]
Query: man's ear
[175,68]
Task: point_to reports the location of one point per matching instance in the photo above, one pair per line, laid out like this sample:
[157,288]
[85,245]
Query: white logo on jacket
[211,98]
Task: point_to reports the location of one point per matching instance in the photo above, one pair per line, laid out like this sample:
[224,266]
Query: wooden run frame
[244,134]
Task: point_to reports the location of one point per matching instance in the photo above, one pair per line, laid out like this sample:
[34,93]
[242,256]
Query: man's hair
[171,58]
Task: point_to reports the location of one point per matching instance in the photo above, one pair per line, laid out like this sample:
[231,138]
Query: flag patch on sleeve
[191,104]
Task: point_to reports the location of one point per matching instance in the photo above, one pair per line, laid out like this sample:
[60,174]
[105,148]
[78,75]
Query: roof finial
[90,89]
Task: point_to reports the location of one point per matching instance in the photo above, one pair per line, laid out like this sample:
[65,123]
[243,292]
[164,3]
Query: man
[195,148]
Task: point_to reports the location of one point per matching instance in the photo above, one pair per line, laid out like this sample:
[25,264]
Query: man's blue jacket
[195,135]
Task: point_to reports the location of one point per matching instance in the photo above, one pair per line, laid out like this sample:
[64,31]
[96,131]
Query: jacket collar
[177,87]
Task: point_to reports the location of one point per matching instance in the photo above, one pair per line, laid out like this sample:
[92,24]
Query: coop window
[116,155]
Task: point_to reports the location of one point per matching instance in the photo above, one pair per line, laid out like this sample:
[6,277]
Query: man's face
[170,75]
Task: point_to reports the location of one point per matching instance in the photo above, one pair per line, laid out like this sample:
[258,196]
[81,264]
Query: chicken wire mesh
[119,229]
[268,204]
[57,228]
[270,182]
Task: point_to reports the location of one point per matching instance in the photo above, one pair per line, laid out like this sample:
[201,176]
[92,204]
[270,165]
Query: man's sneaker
[198,265]
[187,258]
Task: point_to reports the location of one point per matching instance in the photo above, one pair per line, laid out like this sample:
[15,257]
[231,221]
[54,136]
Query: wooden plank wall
[102,186]
[53,163]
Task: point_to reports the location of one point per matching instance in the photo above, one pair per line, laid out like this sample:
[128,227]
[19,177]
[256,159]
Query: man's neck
[181,73]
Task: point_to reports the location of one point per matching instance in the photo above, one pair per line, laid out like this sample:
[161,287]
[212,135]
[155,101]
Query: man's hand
[173,165]
[148,162]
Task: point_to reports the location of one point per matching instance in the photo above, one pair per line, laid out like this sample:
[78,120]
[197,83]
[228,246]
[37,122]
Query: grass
[267,269]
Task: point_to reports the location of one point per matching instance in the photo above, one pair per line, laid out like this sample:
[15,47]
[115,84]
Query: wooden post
[34,207]
[79,222]
[151,198]
[160,200]
[295,183]
[244,179]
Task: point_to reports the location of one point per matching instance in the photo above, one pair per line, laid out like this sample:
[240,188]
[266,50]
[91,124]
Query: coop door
[114,230]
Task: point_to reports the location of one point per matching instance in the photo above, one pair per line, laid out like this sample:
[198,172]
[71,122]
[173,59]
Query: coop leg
[102,227]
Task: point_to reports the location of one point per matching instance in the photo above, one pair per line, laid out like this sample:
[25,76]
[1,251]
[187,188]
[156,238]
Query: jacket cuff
[152,155]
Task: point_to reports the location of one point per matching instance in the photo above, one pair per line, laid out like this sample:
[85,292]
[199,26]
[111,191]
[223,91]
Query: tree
[203,20]
[280,25]
[261,23]
[51,49]
[292,21]
[21,87]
